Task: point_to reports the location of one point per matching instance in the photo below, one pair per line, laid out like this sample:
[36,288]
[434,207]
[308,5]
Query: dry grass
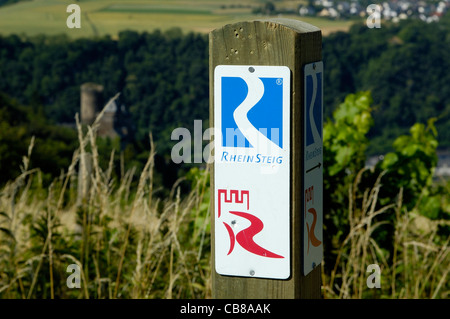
[418,265]
[128,242]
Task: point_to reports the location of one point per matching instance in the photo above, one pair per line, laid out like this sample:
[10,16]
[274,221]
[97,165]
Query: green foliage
[411,165]
[345,138]
[53,144]
[345,144]
[375,213]
[409,169]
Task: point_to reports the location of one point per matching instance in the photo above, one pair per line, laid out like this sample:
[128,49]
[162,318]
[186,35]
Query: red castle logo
[244,237]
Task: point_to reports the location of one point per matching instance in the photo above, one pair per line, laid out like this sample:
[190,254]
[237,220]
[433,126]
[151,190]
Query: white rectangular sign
[313,167]
[252,170]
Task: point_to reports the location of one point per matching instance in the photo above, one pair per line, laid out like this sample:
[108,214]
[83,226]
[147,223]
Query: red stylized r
[244,237]
[311,236]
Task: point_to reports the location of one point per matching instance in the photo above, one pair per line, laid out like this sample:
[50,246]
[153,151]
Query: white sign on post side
[252,170]
[313,167]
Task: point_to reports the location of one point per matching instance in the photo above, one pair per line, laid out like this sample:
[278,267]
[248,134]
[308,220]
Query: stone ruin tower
[92,103]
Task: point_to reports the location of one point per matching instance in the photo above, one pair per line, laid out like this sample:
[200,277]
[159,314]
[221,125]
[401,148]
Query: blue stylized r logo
[252,108]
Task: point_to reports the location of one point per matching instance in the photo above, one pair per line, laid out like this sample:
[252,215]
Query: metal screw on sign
[252,272]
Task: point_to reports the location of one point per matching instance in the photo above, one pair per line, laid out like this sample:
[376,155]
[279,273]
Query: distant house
[329,13]
[306,11]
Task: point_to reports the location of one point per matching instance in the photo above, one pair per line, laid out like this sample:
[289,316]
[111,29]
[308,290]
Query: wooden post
[274,42]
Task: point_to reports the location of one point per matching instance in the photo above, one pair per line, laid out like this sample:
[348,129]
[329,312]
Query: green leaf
[343,155]
[390,159]
[410,150]
[430,126]
[431,207]
[400,142]
[417,130]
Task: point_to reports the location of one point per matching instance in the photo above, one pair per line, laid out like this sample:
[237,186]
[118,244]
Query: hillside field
[101,17]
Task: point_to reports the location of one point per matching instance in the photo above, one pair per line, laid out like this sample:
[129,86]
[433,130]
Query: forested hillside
[406,68]
[163,77]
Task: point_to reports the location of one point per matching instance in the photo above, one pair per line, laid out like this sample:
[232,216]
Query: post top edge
[297,25]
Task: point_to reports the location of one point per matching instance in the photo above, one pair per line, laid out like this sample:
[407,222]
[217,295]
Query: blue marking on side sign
[317,107]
